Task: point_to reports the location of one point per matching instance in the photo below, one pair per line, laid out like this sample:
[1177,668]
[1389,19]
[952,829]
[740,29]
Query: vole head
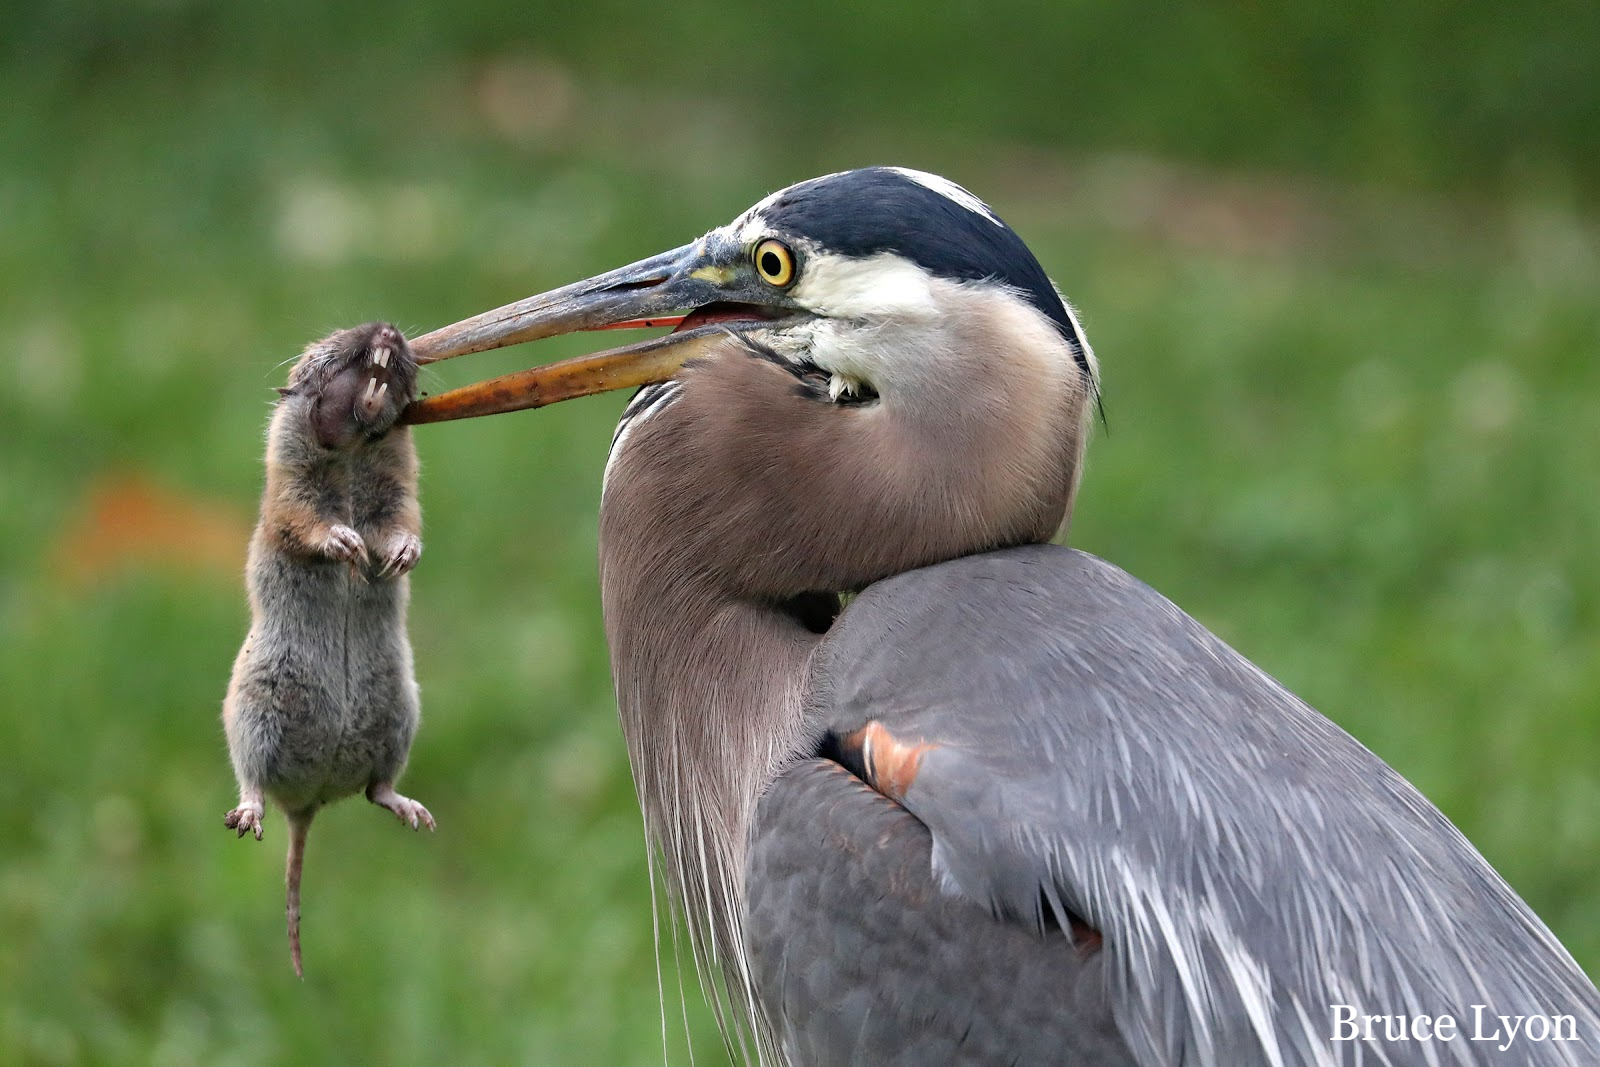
[357,382]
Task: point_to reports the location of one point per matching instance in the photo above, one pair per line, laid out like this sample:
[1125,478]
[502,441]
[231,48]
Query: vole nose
[385,342]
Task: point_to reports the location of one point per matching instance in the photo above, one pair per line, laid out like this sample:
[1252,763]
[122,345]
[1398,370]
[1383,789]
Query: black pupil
[771,263]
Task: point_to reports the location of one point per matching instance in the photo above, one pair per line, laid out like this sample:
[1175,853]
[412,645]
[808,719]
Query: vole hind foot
[409,811]
[246,818]
[400,555]
[344,544]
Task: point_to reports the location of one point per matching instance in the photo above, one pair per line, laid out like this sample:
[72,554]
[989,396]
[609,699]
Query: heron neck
[708,685]
[709,691]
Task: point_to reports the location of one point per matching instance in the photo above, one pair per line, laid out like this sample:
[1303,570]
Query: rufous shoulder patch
[890,764]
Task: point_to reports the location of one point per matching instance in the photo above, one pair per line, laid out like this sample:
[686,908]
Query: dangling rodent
[323,701]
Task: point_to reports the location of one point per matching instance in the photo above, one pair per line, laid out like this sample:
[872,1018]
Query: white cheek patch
[949,190]
[856,357]
[884,286]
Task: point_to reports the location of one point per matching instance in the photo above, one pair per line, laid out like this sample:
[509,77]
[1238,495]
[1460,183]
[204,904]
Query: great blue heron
[1010,805]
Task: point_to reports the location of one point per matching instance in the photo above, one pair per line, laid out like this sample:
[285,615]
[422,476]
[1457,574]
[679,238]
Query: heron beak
[674,288]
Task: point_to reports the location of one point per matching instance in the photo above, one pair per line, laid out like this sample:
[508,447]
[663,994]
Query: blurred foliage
[1339,262]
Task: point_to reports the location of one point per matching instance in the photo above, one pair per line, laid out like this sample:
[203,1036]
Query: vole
[323,701]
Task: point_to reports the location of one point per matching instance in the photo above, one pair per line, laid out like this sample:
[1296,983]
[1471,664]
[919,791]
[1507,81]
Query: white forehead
[750,227]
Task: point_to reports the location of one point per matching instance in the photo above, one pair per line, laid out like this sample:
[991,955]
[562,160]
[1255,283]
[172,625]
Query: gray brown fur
[323,701]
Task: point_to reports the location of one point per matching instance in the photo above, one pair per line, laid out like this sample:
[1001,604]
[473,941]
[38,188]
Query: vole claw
[246,818]
[343,543]
[409,811]
[402,553]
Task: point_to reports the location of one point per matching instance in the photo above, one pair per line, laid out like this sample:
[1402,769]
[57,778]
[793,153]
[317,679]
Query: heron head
[884,302]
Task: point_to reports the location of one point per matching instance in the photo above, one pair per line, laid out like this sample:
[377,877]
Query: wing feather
[1247,862]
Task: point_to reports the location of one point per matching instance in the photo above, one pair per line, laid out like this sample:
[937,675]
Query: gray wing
[1077,749]
[860,958]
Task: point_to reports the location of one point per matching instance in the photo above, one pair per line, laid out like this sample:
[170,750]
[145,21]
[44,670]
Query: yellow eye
[774,262]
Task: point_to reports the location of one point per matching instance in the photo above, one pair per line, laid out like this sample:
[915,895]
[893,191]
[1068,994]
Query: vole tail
[299,825]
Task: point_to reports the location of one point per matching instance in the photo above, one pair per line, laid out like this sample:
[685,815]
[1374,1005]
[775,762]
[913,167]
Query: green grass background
[1340,263]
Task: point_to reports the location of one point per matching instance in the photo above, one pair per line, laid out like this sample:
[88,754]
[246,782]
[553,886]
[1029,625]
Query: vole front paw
[344,544]
[400,555]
